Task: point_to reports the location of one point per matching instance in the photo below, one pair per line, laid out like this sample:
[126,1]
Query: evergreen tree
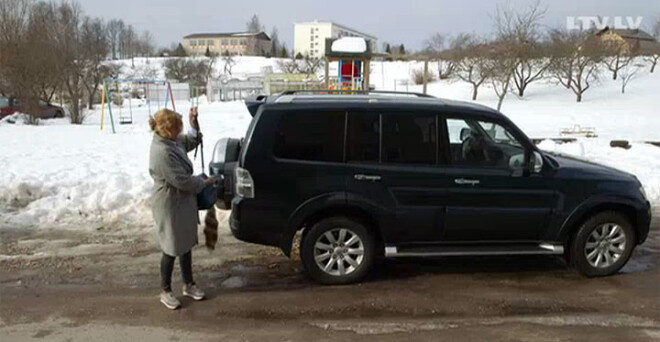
[180,51]
[208,52]
[285,52]
[403,50]
[388,49]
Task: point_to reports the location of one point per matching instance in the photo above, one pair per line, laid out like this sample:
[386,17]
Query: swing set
[149,94]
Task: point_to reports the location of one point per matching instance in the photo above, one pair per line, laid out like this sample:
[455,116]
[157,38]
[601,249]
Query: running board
[426,251]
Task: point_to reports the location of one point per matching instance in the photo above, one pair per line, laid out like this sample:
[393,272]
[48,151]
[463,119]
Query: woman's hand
[192,116]
[209,181]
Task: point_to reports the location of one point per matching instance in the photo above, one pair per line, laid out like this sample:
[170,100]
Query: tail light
[244,183]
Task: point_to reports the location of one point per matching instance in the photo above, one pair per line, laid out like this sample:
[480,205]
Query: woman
[174,200]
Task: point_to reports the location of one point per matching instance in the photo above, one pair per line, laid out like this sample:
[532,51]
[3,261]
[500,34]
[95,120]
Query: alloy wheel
[338,252]
[605,245]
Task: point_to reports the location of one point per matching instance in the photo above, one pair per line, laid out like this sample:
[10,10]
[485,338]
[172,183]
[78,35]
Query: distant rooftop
[628,33]
[339,25]
[227,34]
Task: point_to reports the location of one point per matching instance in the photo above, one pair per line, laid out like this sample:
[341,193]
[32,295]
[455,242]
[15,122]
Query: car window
[363,137]
[4,102]
[409,138]
[483,143]
[311,135]
[43,103]
[498,133]
[454,129]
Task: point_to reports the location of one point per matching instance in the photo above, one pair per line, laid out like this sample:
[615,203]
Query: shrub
[418,77]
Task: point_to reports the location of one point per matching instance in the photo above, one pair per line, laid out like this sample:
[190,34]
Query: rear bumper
[250,224]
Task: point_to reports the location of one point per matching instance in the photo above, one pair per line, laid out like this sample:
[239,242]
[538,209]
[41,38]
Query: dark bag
[209,195]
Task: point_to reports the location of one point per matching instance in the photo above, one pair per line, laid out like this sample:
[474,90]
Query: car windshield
[4,102]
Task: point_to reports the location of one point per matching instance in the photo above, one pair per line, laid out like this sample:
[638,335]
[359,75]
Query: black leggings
[167,266]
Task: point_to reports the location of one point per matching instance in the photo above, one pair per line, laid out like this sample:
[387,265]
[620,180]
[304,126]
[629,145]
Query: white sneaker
[193,291]
[169,300]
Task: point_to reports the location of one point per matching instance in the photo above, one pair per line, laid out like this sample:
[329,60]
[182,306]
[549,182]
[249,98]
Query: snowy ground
[59,174]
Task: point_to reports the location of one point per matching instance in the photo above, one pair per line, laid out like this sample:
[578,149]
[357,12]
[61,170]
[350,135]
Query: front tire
[338,250]
[602,245]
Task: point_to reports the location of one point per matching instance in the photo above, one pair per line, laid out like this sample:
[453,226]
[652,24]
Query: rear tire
[602,245]
[59,114]
[338,250]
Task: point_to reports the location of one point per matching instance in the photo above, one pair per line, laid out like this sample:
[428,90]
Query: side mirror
[536,162]
[465,133]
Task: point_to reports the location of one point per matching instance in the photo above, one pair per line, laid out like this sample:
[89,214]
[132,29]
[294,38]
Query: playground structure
[354,64]
[148,89]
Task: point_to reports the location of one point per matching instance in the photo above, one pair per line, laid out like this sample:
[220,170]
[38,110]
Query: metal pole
[112,121]
[103,105]
[426,71]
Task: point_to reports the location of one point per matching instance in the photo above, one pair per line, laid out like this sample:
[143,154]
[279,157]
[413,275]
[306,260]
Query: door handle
[465,181]
[371,178]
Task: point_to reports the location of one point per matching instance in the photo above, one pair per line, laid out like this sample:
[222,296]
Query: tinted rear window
[363,141]
[409,138]
[311,135]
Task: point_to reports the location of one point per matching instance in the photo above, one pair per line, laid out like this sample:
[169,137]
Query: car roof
[398,99]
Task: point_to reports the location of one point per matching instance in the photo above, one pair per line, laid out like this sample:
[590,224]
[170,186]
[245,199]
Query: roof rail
[360,92]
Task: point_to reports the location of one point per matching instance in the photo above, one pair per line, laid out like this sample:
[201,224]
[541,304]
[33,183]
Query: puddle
[234,282]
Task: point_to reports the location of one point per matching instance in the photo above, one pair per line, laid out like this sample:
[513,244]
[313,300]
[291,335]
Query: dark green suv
[398,175]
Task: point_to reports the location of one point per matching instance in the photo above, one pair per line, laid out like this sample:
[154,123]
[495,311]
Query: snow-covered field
[58,174]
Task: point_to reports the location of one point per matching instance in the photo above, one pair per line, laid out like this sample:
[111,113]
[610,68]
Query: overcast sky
[409,22]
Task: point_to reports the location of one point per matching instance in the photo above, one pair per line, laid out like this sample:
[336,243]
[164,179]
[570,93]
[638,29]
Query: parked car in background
[11,105]
[370,175]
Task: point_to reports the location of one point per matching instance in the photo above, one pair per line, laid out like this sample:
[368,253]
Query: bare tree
[500,66]
[195,72]
[521,29]
[128,40]
[618,56]
[94,48]
[436,48]
[653,55]
[146,44]
[576,61]
[69,37]
[311,65]
[30,65]
[627,73]
[288,66]
[472,63]
[228,63]
[115,29]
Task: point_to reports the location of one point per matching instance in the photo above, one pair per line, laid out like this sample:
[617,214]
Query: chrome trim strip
[546,249]
[390,251]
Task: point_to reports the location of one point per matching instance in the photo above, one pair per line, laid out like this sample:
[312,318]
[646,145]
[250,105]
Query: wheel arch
[593,207]
[318,209]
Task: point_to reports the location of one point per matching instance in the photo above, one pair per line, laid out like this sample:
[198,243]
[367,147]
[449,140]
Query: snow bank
[62,174]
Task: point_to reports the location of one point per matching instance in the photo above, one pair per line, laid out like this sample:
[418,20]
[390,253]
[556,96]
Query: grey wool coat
[174,201]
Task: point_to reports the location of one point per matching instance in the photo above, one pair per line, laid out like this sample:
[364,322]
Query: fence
[235,89]
[158,92]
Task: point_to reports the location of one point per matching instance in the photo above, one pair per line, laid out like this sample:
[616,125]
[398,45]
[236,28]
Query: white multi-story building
[309,38]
